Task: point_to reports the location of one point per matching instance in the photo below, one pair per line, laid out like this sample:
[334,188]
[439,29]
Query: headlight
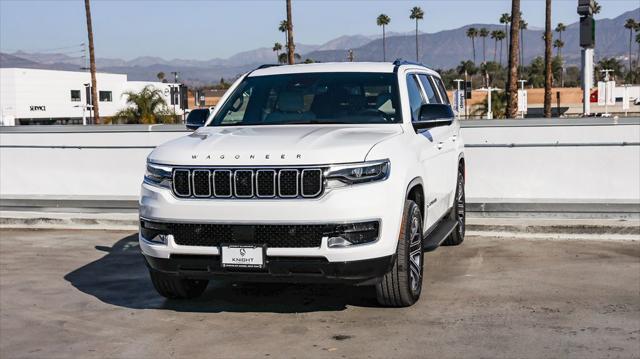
[158,175]
[358,172]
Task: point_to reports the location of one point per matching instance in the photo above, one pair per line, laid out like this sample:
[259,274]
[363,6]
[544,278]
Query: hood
[274,145]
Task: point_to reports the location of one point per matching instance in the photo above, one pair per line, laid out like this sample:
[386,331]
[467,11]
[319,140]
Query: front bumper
[379,201]
[277,269]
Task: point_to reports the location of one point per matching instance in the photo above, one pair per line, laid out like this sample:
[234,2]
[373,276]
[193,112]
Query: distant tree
[638,42]
[161,76]
[596,8]
[630,25]
[506,20]
[383,20]
[467,67]
[284,57]
[494,36]
[147,106]
[472,33]
[560,28]
[610,63]
[283,27]
[277,47]
[308,61]
[523,26]
[558,45]
[416,14]
[498,105]
[483,33]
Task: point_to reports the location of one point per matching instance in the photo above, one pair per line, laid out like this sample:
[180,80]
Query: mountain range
[440,50]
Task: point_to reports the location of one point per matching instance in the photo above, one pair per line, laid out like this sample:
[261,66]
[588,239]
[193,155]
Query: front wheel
[458,213]
[401,287]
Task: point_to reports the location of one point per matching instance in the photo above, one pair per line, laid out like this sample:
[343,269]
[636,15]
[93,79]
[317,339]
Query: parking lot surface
[83,294]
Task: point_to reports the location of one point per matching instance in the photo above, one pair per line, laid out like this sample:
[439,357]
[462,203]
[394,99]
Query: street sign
[625,99]
[522,101]
[605,93]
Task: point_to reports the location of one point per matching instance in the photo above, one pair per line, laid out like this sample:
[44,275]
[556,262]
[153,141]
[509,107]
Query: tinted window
[104,96]
[312,98]
[429,89]
[75,95]
[416,99]
[442,89]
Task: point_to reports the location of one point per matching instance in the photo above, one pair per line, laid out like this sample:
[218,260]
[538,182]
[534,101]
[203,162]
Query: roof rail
[266,66]
[400,62]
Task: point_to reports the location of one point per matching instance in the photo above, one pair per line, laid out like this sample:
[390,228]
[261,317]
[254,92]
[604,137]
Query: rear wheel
[401,287]
[175,287]
[458,213]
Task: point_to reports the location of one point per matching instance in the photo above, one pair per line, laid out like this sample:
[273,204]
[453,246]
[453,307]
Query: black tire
[174,287]
[401,287]
[458,213]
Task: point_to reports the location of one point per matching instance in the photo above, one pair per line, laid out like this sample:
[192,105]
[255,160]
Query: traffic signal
[467,90]
[587,32]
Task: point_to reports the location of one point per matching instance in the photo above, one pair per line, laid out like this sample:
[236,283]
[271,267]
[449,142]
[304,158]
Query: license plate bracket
[243,256]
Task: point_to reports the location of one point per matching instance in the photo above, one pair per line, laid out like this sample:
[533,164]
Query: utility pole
[92,63]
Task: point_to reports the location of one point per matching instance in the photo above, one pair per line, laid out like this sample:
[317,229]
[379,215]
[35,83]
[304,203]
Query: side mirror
[197,119]
[434,115]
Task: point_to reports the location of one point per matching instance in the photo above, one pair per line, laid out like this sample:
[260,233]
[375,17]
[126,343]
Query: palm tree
[512,81]
[494,36]
[560,28]
[277,47]
[523,26]
[483,33]
[161,76]
[558,44]
[417,14]
[596,8]
[291,48]
[147,106]
[284,28]
[92,64]
[631,26]
[638,41]
[472,33]
[383,20]
[501,36]
[548,70]
[506,20]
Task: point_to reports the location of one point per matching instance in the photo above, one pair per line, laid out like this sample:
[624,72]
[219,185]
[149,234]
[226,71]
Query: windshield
[312,98]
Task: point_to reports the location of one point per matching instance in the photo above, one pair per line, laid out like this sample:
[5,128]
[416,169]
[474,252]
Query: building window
[104,96]
[75,95]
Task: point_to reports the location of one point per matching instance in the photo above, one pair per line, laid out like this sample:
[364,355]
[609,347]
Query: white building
[34,96]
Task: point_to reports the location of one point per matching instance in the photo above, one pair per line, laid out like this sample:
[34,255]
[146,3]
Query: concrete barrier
[584,166]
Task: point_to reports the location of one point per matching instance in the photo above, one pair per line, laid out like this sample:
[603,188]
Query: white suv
[339,172]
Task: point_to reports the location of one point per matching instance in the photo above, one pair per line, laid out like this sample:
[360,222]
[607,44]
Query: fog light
[338,242]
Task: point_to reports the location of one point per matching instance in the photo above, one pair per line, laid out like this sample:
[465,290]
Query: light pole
[524,105]
[606,91]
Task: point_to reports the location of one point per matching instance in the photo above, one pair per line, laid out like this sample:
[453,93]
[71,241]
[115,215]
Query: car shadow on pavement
[121,278]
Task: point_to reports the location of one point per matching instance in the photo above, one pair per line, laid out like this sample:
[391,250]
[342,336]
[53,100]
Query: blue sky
[204,29]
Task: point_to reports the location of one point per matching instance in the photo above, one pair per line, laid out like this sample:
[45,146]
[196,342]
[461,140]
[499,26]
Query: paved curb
[524,227]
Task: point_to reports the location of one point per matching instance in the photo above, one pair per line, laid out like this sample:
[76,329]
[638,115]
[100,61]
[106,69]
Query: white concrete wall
[548,164]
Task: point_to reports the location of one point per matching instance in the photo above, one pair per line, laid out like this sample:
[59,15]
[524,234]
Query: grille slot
[181,183]
[248,183]
[222,183]
[288,183]
[311,182]
[243,182]
[266,183]
[201,183]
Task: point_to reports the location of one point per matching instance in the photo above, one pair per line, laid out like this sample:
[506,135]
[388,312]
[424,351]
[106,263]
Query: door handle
[440,145]
[454,138]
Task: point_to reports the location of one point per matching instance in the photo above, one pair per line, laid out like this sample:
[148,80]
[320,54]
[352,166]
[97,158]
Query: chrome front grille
[247,183]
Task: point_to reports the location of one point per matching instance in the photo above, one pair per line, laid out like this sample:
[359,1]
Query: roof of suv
[384,67]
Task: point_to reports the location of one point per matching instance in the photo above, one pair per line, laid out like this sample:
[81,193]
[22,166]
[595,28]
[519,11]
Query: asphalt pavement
[86,294]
